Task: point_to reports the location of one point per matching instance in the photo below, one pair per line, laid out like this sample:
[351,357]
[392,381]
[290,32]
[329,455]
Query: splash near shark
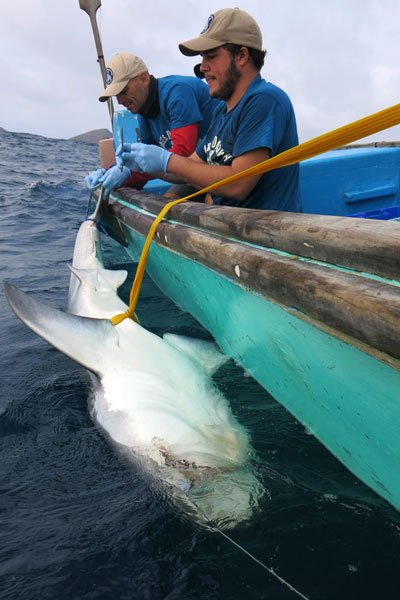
[154,397]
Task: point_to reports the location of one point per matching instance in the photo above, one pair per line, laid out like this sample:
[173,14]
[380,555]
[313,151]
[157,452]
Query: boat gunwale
[349,305]
[366,245]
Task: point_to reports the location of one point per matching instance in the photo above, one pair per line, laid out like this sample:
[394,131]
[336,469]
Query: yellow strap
[328,141]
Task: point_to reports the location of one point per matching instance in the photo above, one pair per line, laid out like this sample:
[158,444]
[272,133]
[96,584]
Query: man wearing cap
[173,113]
[255,122]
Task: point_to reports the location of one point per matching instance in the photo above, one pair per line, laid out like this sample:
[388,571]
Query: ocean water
[77,520]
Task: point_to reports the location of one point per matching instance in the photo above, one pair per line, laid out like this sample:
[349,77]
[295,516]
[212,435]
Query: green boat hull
[339,378]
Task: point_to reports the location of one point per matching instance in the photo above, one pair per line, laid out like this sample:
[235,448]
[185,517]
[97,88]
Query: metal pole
[90,7]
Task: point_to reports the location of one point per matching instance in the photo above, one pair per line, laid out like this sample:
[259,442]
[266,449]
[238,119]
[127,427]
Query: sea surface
[80,522]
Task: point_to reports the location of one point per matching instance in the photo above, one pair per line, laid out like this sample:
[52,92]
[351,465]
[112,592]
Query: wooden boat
[308,304]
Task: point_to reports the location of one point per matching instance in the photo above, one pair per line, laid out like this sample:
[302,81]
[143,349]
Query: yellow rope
[328,141]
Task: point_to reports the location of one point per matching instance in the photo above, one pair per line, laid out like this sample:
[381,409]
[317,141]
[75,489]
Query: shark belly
[153,397]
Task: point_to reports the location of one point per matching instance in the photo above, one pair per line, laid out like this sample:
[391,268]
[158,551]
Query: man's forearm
[200,175]
[169,177]
[192,172]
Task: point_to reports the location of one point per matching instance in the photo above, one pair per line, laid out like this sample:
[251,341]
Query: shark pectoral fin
[113,278]
[89,342]
[103,277]
[204,352]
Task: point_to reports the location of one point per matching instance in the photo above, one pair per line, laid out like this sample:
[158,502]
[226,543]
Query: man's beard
[229,82]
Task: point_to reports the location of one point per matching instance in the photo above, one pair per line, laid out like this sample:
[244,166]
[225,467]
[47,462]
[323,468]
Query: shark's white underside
[153,396]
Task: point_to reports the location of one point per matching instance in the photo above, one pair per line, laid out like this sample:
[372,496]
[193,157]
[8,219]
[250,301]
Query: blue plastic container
[128,122]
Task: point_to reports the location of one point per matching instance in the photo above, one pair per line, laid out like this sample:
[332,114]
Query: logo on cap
[109,76]
[207,26]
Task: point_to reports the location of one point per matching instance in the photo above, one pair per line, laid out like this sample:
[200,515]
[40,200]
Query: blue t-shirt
[263,118]
[183,100]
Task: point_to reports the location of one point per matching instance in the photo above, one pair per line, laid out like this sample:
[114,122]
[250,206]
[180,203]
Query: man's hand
[93,179]
[125,158]
[148,158]
[114,178]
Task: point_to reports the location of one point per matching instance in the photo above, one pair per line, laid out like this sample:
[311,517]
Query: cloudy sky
[339,60]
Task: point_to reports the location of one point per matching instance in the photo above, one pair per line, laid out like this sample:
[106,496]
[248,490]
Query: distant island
[92,137]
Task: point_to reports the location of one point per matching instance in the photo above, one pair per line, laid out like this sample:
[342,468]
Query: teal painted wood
[348,399]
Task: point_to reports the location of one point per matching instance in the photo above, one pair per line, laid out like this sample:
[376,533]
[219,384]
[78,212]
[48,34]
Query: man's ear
[144,77]
[243,56]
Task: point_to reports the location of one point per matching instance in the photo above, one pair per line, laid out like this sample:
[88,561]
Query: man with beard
[255,122]
[174,112]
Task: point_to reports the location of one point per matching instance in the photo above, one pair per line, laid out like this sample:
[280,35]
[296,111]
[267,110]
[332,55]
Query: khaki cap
[120,69]
[226,26]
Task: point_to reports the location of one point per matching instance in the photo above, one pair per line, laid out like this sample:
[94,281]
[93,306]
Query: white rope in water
[271,571]
[216,529]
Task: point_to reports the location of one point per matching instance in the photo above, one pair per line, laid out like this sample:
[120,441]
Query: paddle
[90,7]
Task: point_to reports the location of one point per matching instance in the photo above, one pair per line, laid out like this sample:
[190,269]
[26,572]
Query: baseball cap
[120,69]
[226,26]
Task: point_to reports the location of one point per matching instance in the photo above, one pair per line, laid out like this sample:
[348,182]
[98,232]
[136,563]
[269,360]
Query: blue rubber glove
[150,159]
[127,160]
[114,178]
[92,180]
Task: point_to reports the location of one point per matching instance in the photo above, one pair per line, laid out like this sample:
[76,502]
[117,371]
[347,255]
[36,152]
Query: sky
[338,60]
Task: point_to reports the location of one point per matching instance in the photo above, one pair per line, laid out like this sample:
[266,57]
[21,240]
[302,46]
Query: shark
[153,396]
